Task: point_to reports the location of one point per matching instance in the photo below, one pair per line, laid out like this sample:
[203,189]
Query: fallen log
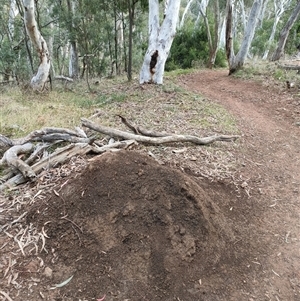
[155,140]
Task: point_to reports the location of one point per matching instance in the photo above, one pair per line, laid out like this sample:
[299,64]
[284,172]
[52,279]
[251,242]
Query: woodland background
[89,38]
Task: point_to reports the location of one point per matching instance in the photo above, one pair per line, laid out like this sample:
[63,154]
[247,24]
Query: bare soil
[130,228]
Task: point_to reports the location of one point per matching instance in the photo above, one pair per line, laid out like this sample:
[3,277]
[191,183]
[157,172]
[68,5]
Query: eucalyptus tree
[39,79]
[285,32]
[161,35]
[72,6]
[280,7]
[237,61]
[212,35]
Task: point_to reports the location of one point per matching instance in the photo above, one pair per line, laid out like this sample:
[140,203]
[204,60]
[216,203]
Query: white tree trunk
[185,12]
[202,7]
[38,81]
[279,9]
[13,11]
[73,61]
[222,35]
[160,41]
[285,32]
[73,58]
[237,61]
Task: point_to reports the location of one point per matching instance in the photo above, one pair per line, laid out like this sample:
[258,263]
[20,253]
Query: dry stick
[6,296]
[155,140]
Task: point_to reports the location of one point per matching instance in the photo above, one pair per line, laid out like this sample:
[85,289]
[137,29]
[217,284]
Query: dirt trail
[268,118]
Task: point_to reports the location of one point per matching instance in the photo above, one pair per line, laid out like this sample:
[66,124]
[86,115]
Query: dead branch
[11,158]
[11,171]
[5,143]
[52,134]
[61,156]
[139,130]
[58,157]
[113,146]
[289,67]
[155,140]
[62,77]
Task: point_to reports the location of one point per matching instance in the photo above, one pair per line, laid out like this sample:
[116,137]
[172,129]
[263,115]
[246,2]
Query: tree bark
[39,79]
[160,41]
[285,33]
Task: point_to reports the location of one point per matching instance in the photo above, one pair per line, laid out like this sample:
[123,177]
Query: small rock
[48,272]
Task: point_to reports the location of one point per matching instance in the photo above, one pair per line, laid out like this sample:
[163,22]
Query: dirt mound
[131,229]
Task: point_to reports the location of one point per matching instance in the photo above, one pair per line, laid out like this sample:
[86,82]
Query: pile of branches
[34,147]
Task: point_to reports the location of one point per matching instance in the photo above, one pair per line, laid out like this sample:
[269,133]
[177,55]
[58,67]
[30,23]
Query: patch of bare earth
[190,224]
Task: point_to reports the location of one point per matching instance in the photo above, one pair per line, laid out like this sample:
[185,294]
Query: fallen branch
[155,140]
[5,143]
[58,157]
[52,134]
[62,77]
[61,156]
[289,67]
[11,158]
[139,130]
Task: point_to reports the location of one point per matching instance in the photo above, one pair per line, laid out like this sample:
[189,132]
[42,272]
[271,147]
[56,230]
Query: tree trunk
[73,58]
[228,33]
[212,41]
[131,7]
[278,13]
[73,61]
[11,20]
[160,41]
[285,33]
[39,80]
[237,62]
[187,7]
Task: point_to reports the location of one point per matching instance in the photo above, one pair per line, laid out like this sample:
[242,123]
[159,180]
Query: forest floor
[128,226]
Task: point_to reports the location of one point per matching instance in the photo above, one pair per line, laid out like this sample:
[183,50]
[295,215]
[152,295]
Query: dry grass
[154,106]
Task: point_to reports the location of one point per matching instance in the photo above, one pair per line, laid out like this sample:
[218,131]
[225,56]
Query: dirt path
[267,118]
